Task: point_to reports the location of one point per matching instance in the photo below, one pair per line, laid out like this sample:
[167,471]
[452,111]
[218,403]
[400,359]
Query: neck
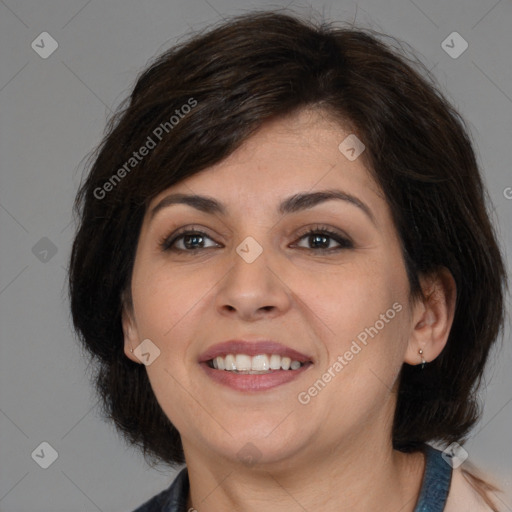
[358,475]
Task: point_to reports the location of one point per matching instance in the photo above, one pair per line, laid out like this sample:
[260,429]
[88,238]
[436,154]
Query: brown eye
[187,241]
[324,240]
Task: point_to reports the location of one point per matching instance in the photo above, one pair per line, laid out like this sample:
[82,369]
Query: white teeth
[229,361]
[295,365]
[275,362]
[261,363]
[243,362]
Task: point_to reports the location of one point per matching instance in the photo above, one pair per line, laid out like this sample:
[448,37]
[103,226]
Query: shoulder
[155,504]
[173,499]
[472,491]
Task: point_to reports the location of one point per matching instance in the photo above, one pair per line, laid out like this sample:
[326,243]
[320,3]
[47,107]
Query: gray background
[53,112]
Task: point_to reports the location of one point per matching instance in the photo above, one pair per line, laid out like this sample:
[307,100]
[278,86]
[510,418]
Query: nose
[253,291]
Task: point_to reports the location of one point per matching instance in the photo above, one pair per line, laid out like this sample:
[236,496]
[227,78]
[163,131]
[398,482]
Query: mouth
[253,366]
[259,364]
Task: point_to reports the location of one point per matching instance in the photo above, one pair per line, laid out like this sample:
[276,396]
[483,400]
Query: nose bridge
[251,263]
[252,287]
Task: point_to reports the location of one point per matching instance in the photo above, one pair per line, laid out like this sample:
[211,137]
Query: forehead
[300,152]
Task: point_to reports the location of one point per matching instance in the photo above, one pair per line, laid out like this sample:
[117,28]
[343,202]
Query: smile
[250,365]
[254,365]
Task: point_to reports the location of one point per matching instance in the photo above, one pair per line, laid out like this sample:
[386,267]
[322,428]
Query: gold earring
[423,362]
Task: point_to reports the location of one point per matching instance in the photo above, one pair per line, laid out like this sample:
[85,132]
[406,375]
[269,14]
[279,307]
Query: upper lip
[252,348]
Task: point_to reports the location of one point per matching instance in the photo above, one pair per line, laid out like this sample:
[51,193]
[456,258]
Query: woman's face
[338,296]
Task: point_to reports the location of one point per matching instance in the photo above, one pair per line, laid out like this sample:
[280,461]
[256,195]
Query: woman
[286,274]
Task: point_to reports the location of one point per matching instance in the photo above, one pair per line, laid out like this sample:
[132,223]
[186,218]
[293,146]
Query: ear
[432,317]
[131,337]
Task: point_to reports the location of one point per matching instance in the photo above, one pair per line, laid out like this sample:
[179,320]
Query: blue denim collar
[436,482]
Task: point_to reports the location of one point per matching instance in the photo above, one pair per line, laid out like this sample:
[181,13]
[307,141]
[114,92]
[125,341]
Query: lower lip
[245,382]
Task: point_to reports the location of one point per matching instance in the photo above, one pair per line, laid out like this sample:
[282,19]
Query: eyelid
[168,240]
[336,234]
[324,229]
[341,238]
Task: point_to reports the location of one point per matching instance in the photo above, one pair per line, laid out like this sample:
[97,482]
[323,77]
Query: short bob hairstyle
[197,103]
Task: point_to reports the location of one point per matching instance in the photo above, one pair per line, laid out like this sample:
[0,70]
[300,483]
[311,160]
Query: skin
[335,453]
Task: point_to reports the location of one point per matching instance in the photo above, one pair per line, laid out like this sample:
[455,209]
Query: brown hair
[238,76]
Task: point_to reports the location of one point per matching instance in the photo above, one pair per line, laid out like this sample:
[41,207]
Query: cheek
[167,305]
[350,297]
[164,297]
[359,313]
[362,317]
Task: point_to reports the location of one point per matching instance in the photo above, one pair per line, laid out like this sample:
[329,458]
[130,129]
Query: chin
[259,446]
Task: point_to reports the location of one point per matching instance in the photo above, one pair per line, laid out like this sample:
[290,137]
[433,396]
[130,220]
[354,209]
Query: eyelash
[167,242]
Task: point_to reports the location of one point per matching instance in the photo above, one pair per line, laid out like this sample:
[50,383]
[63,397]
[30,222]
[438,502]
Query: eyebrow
[292,204]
